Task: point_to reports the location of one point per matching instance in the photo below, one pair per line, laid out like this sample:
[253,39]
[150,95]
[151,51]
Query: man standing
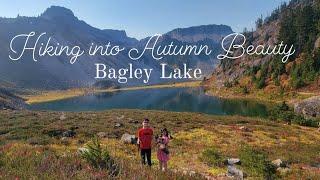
[145,135]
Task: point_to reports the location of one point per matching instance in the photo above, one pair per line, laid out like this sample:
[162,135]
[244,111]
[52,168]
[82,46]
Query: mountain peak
[199,33]
[120,35]
[207,29]
[58,12]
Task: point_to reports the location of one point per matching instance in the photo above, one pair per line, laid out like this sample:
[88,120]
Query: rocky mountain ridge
[67,29]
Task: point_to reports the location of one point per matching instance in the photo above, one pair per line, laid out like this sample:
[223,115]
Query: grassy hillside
[32,146]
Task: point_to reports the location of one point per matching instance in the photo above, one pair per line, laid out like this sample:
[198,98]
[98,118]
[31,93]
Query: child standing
[163,151]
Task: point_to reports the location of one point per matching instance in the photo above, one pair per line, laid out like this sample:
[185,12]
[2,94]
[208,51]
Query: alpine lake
[164,99]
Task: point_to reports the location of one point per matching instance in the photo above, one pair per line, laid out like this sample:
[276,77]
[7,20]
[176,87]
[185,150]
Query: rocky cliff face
[230,70]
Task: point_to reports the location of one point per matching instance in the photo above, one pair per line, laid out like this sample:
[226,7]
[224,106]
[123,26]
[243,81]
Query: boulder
[128,139]
[63,117]
[317,43]
[309,107]
[234,172]
[245,129]
[68,133]
[232,161]
[284,170]
[278,163]
[192,173]
[281,166]
[102,134]
[117,125]
[82,150]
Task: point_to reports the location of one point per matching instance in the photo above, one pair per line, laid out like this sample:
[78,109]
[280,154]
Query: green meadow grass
[31,147]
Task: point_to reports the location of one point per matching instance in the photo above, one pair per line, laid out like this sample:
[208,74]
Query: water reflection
[170,99]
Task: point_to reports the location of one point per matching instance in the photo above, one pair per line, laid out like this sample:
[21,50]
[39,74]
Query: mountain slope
[210,35]
[10,101]
[54,72]
[67,29]
[295,24]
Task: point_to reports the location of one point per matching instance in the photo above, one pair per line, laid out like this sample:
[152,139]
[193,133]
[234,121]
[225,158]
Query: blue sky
[141,18]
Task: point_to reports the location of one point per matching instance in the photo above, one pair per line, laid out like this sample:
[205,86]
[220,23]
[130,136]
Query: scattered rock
[234,172]
[102,134]
[64,139]
[278,163]
[244,128]
[281,166]
[68,133]
[317,43]
[192,173]
[82,150]
[184,172]
[309,107]
[232,161]
[63,117]
[117,125]
[283,171]
[129,139]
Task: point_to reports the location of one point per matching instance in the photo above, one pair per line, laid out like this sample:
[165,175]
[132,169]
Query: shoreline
[269,98]
[48,96]
[291,97]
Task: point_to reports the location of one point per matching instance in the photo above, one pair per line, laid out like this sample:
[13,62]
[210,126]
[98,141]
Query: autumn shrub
[300,120]
[256,163]
[99,157]
[283,112]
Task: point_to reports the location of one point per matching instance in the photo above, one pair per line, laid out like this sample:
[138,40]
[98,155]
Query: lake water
[168,99]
